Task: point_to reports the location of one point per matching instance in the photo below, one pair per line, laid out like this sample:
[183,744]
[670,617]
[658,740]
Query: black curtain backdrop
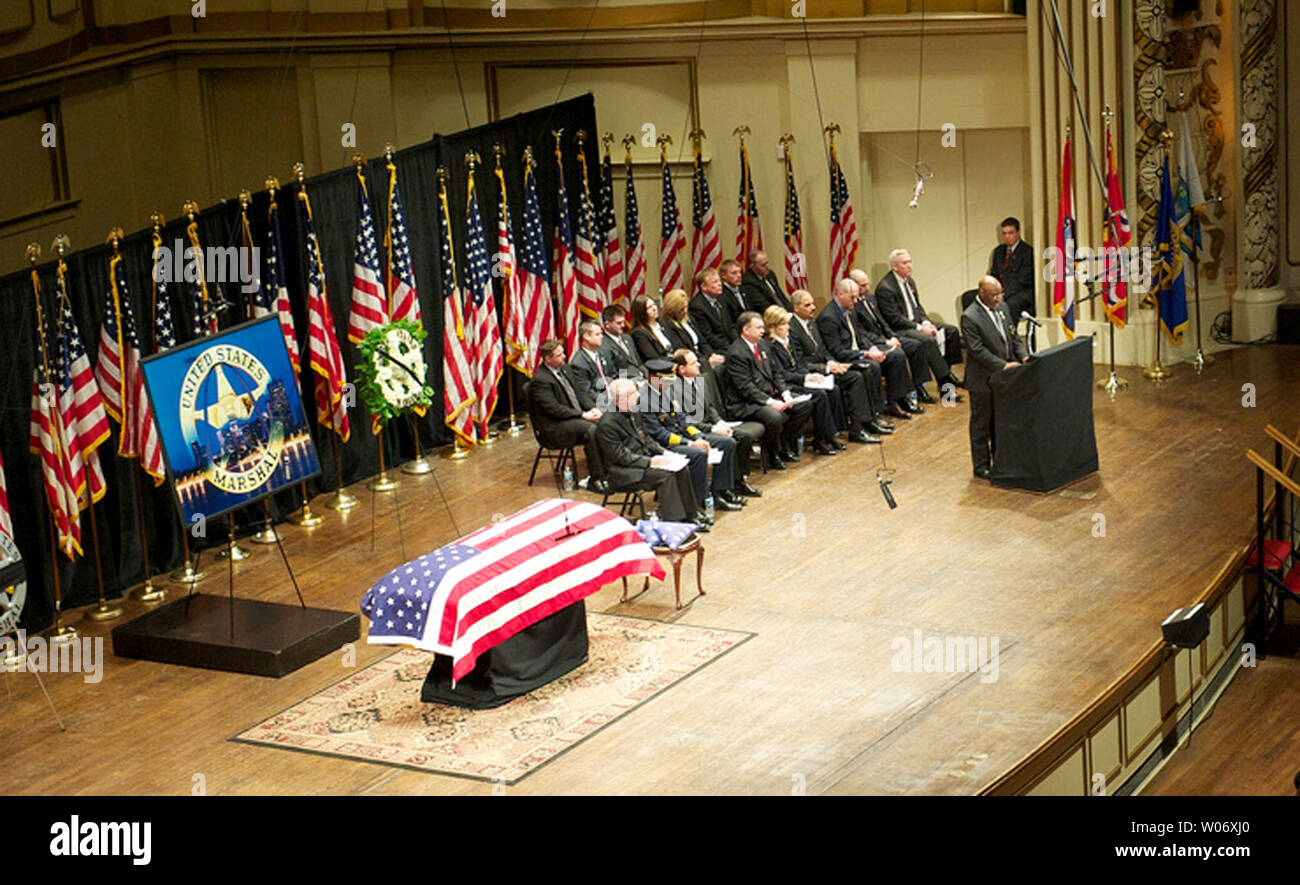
[334,209]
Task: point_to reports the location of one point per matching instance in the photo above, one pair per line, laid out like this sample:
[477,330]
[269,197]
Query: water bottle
[798,445]
[568,478]
[708,507]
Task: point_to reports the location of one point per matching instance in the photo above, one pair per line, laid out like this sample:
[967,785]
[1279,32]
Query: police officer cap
[661,367]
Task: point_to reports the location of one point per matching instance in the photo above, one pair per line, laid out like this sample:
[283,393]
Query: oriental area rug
[376,714]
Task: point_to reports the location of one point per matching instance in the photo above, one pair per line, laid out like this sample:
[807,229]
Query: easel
[1272,556]
[15,660]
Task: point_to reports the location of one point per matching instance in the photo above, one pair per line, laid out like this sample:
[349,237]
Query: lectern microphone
[1024,315]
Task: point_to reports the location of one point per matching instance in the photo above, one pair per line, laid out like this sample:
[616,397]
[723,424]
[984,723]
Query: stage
[1071,585]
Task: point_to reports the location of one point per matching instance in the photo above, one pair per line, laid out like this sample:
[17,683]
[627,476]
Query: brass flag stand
[1158,371]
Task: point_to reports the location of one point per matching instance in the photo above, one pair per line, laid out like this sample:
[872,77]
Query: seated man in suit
[760,286]
[557,414]
[709,314]
[619,346]
[827,411]
[635,461]
[589,369]
[867,315]
[900,304]
[991,341]
[733,298]
[860,387]
[668,424]
[756,394]
[700,402]
[849,341]
[1012,264]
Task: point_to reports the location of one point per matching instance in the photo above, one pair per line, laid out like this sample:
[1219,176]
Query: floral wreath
[392,371]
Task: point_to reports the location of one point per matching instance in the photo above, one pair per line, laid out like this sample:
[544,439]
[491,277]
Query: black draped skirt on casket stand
[531,658]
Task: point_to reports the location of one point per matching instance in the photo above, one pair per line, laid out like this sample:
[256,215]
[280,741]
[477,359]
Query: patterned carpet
[376,714]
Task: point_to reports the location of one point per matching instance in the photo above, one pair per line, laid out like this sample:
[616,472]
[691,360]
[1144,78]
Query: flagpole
[1156,371]
[383,482]
[511,425]
[62,632]
[1112,383]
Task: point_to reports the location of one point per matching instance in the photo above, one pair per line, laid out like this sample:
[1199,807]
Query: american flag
[479,590]
[369,303]
[457,356]
[204,318]
[1117,236]
[844,230]
[52,441]
[514,316]
[607,229]
[403,296]
[796,266]
[6,524]
[533,277]
[80,406]
[672,240]
[323,344]
[706,251]
[588,263]
[121,384]
[275,282]
[164,330]
[259,300]
[481,322]
[749,234]
[566,281]
[635,250]
[1063,271]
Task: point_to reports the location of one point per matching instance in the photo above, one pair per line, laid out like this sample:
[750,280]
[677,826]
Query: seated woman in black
[651,341]
[825,425]
[677,326]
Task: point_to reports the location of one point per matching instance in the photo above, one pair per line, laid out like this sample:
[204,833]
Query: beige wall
[149,136]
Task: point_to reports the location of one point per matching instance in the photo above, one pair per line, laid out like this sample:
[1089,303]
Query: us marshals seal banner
[231,420]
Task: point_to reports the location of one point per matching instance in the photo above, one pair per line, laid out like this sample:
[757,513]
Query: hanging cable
[460,84]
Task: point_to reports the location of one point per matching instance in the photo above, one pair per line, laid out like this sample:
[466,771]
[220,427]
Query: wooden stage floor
[825,575]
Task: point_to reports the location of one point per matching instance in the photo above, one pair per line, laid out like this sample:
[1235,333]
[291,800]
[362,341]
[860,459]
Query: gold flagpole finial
[528,156]
[156,221]
[831,129]
[442,175]
[557,133]
[698,135]
[358,161]
[245,200]
[472,159]
[388,151]
[628,141]
[190,209]
[742,131]
[1108,115]
[300,172]
[606,139]
[61,245]
[32,253]
[272,184]
[115,235]
[663,141]
[580,137]
[786,140]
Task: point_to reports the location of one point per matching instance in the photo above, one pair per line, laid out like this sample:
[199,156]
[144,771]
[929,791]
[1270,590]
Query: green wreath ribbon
[408,363]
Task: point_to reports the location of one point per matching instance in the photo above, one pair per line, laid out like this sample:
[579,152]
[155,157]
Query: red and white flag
[796,266]
[369,301]
[749,234]
[6,523]
[323,344]
[403,295]
[844,230]
[1063,269]
[566,277]
[457,348]
[672,240]
[706,251]
[634,256]
[481,322]
[607,231]
[533,276]
[588,263]
[513,316]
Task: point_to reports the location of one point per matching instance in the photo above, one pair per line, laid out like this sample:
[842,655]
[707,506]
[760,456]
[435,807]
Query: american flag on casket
[478,591]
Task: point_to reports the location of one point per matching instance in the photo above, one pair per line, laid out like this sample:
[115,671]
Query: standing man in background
[1012,265]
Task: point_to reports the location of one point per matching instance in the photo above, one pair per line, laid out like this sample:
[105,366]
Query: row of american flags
[548,281]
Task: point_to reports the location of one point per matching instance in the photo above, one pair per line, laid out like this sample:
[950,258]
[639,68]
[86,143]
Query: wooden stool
[693,543]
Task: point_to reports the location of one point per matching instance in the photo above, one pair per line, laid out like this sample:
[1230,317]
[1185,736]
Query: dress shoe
[722,502]
[953,380]
[701,527]
[702,518]
[599,486]
[925,397]
[730,496]
[839,446]
[982,471]
[859,436]
[897,411]
[790,456]
[744,488]
[822,448]
[879,428]
[775,463]
[912,408]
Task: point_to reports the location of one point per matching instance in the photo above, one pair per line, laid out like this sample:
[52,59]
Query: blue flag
[1171,288]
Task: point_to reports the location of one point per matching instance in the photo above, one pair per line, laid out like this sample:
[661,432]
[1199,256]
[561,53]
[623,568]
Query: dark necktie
[853,336]
[568,388]
[595,358]
[911,298]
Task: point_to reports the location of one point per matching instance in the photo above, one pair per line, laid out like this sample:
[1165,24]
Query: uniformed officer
[668,423]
